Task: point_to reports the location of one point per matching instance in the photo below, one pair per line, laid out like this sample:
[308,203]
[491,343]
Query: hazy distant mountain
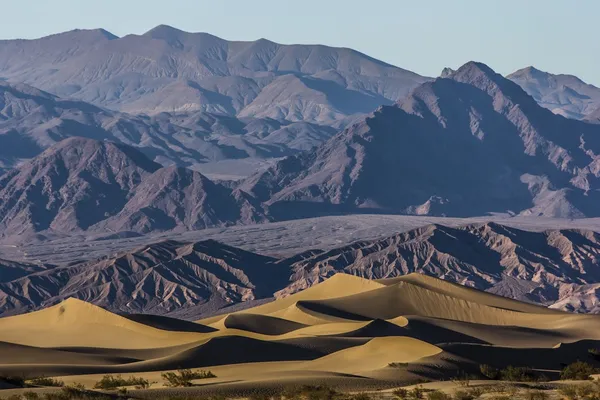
[84,184]
[557,268]
[562,94]
[32,120]
[469,144]
[170,70]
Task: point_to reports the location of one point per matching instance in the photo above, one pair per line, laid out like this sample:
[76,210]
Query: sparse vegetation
[44,381]
[184,377]
[438,395]
[31,396]
[489,371]
[464,395]
[413,394]
[111,382]
[398,365]
[536,395]
[315,393]
[517,374]
[578,370]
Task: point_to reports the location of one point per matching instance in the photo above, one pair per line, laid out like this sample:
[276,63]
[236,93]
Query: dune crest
[344,328]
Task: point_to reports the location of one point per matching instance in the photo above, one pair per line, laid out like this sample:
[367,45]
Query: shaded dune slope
[346,327]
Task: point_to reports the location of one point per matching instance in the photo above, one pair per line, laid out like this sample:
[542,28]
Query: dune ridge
[344,329]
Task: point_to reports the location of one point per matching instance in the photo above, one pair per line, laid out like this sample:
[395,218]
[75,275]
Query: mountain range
[32,120]
[562,94]
[84,184]
[556,268]
[168,70]
[172,131]
[472,143]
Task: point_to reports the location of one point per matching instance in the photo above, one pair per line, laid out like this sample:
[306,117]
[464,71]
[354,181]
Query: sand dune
[74,323]
[346,329]
[377,353]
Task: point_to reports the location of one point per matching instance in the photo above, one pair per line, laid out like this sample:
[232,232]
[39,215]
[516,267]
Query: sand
[345,331]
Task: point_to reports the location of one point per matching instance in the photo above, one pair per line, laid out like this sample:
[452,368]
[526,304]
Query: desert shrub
[401,393]
[578,370]
[489,371]
[397,365]
[56,396]
[463,395]
[416,393]
[536,395]
[14,397]
[31,396]
[517,374]
[75,390]
[43,381]
[318,392]
[361,396]
[110,382]
[184,377]
[569,392]
[437,395]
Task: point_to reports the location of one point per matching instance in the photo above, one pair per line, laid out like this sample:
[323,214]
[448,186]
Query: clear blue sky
[560,36]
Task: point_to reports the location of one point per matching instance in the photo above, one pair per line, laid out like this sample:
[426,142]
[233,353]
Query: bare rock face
[565,95]
[178,198]
[157,279]
[552,267]
[594,117]
[87,185]
[556,268]
[32,121]
[469,144]
[71,186]
[168,70]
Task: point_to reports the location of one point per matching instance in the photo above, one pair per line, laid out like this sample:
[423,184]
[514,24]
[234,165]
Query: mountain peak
[528,73]
[86,34]
[163,31]
[473,69]
[171,34]
[446,72]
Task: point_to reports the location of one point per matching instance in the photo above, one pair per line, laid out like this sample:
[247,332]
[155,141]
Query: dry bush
[184,377]
[578,370]
[110,382]
[401,393]
[489,371]
[44,381]
[536,395]
[437,395]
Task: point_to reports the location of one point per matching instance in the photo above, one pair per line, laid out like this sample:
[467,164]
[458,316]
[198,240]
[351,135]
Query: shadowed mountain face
[537,267]
[562,94]
[157,279]
[557,268]
[594,117]
[170,70]
[32,120]
[469,144]
[83,184]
